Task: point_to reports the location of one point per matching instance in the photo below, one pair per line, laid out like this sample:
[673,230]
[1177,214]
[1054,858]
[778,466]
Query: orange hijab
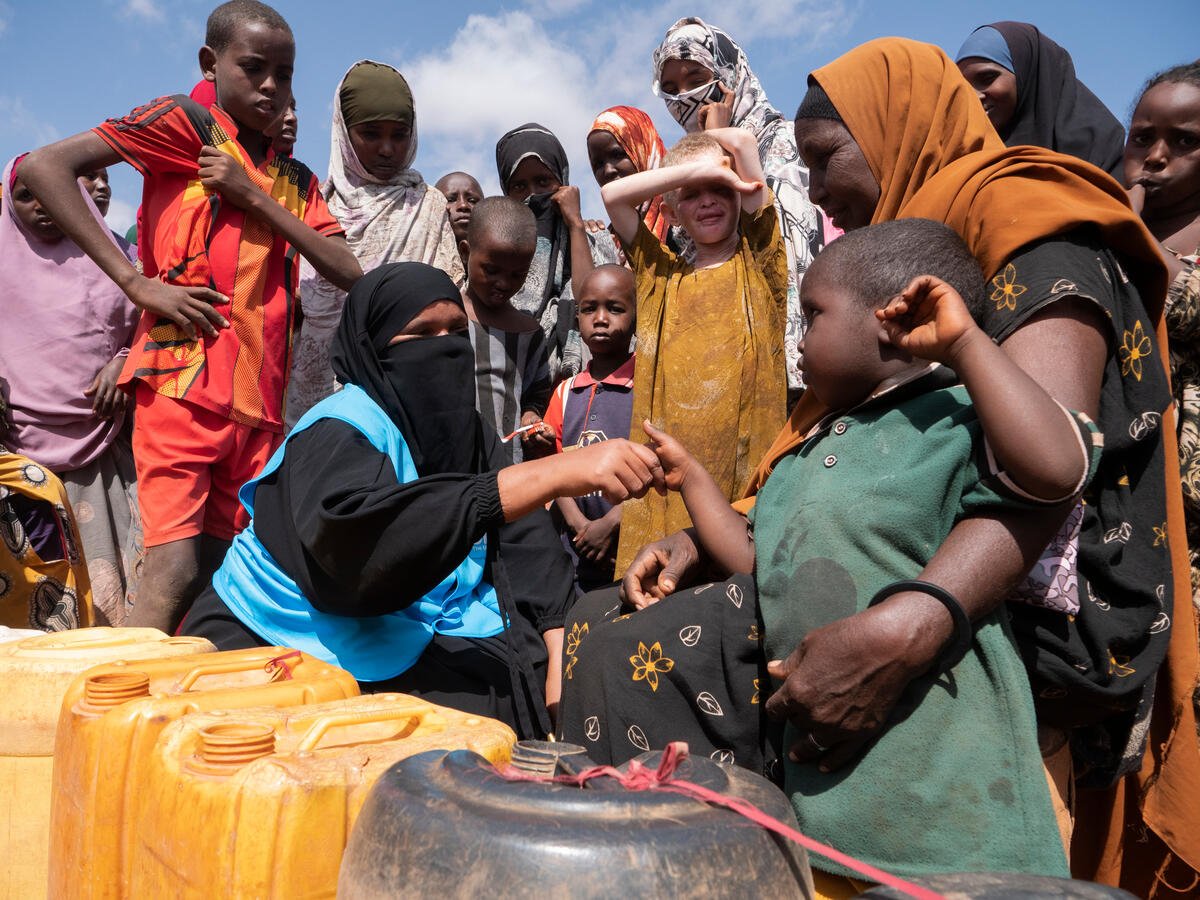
[935,155]
[635,132]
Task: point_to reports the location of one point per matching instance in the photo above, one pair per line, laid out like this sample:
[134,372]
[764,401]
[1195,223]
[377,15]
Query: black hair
[1185,73]
[876,263]
[504,220]
[816,104]
[224,21]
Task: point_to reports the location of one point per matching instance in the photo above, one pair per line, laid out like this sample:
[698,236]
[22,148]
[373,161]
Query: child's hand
[674,457]
[191,308]
[718,114]
[723,174]
[536,442]
[594,541]
[566,198]
[928,319]
[220,172]
[1137,198]
[107,398]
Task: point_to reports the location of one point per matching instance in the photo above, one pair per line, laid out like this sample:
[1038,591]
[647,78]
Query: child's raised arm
[623,195]
[50,175]
[722,530]
[1035,440]
[743,147]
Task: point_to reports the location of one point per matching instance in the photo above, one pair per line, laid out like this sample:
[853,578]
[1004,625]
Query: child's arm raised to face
[623,196]
[1035,440]
[329,254]
[50,175]
[743,147]
[722,530]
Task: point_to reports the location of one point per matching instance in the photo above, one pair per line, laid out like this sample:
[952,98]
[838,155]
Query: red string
[280,668]
[639,778]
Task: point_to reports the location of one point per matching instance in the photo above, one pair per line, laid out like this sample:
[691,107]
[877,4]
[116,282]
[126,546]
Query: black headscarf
[1055,109]
[426,385]
[532,139]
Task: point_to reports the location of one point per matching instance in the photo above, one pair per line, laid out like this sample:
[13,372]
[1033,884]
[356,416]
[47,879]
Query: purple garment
[64,320]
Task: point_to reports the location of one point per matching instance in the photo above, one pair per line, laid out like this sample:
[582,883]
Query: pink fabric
[64,320]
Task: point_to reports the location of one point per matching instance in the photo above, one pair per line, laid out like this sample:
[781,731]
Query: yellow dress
[710,363]
[53,595]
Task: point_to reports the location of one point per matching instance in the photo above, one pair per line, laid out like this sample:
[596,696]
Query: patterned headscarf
[634,130]
[694,39]
[787,177]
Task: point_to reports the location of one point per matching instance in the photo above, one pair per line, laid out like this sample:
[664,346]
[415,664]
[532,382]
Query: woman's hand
[841,684]
[718,114]
[675,459]
[220,172]
[618,469]
[928,319]
[107,399]
[661,568]
[566,198]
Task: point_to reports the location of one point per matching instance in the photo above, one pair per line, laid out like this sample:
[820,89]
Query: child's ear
[669,213]
[208,63]
[464,249]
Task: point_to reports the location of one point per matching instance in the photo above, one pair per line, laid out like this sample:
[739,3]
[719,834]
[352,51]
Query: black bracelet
[958,645]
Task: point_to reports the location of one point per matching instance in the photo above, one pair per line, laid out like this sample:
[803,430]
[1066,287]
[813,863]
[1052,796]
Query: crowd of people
[849,450]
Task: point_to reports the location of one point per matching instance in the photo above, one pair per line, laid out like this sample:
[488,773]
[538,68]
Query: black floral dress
[1094,672]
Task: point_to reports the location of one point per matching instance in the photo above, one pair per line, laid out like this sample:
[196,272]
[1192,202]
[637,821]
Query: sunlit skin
[707,211]
[96,184]
[840,181]
[995,86]
[532,176]
[608,158]
[439,318]
[462,193]
[29,213]
[678,76]
[253,76]
[381,147]
[1162,155]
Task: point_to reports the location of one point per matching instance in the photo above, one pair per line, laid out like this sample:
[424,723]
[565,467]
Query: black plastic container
[447,825]
[1005,886]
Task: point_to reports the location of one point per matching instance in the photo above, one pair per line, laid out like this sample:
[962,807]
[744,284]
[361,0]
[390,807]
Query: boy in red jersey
[224,219]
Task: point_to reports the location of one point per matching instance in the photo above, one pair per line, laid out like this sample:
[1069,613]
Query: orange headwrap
[635,132]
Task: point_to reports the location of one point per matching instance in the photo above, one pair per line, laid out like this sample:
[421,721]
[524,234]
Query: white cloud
[19,125]
[559,64]
[144,9]
[120,216]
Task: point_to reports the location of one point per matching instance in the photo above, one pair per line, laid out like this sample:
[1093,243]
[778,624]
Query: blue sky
[478,69]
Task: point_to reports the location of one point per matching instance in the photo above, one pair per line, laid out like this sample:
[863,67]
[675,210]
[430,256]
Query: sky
[479,69]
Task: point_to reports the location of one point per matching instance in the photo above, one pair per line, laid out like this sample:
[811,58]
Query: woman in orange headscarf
[623,140]
[892,130]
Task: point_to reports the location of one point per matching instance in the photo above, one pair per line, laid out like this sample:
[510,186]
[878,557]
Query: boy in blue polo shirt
[597,405]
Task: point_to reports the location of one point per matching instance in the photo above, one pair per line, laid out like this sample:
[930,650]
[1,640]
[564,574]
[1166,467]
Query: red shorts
[191,462]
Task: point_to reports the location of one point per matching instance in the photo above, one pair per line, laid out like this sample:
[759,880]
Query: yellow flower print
[1005,289]
[754,699]
[1135,347]
[1160,535]
[1119,666]
[649,663]
[576,635]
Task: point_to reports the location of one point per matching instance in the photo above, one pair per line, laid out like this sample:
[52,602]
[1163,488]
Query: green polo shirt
[958,784]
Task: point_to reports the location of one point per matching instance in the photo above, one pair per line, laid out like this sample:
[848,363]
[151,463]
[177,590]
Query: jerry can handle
[222,668]
[321,726]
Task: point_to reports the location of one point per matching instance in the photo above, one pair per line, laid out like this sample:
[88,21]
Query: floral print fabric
[1111,651]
